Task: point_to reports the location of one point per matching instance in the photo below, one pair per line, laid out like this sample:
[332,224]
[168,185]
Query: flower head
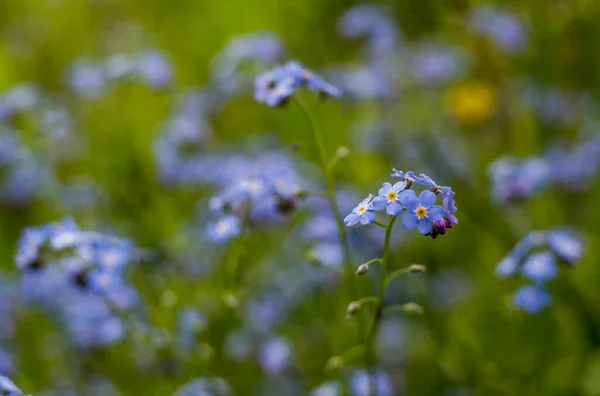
[389,198]
[531,298]
[421,212]
[540,267]
[567,244]
[224,229]
[363,213]
[276,85]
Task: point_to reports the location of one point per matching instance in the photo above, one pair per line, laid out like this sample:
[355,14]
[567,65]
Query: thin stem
[331,198]
[397,273]
[368,299]
[370,342]
[409,307]
[380,224]
[373,261]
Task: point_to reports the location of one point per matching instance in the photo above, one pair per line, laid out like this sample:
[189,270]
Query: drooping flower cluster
[276,85]
[420,212]
[536,259]
[513,180]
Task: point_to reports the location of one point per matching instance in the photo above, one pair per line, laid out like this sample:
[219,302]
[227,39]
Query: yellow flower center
[391,196]
[421,212]
[361,209]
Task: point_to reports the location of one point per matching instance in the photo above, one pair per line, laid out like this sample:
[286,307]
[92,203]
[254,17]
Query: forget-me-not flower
[389,198]
[531,298]
[421,212]
[224,229]
[363,213]
[540,267]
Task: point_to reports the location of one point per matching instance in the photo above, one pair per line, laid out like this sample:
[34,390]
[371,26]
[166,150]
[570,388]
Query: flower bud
[412,307]
[342,152]
[362,269]
[353,308]
[416,268]
[334,363]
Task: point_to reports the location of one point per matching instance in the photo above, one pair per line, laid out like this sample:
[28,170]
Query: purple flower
[363,213]
[450,207]
[421,212]
[389,198]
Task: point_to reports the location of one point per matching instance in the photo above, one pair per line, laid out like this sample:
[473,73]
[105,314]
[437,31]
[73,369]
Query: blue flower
[567,244]
[154,68]
[540,267]
[224,229]
[531,298]
[421,212]
[204,386]
[276,85]
[8,388]
[449,206]
[389,198]
[408,176]
[363,213]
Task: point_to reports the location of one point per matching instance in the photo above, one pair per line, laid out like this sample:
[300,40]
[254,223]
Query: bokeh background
[99,96]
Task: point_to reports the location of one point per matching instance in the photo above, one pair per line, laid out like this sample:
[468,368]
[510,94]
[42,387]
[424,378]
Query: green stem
[331,198]
[397,273]
[370,342]
[380,224]
[368,299]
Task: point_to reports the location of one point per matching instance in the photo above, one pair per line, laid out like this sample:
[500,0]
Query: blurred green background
[469,341]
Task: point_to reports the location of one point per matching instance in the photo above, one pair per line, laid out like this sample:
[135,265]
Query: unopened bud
[412,307]
[353,307]
[362,269]
[416,268]
[334,363]
[342,152]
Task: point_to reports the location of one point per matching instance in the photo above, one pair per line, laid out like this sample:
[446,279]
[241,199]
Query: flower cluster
[420,212]
[90,78]
[276,85]
[92,261]
[514,180]
[258,191]
[535,258]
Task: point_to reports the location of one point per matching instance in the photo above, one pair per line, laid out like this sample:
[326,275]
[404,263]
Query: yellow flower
[471,103]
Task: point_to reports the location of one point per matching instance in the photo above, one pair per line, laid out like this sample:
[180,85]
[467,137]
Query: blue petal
[379,203]
[410,220]
[427,198]
[367,200]
[424,225]
[368,218]
[394,208]
[401,185]
[385,188]
[435,213]
[409,201]
[351,219]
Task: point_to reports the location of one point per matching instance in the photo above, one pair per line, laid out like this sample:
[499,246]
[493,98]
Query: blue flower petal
[367,200]
[409,201]
[435,213]
[410,220]
[351,219]
[394,208]
[424,226]
[401,185]
[368,218]
[379,203]
[385,188]
[427,198]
